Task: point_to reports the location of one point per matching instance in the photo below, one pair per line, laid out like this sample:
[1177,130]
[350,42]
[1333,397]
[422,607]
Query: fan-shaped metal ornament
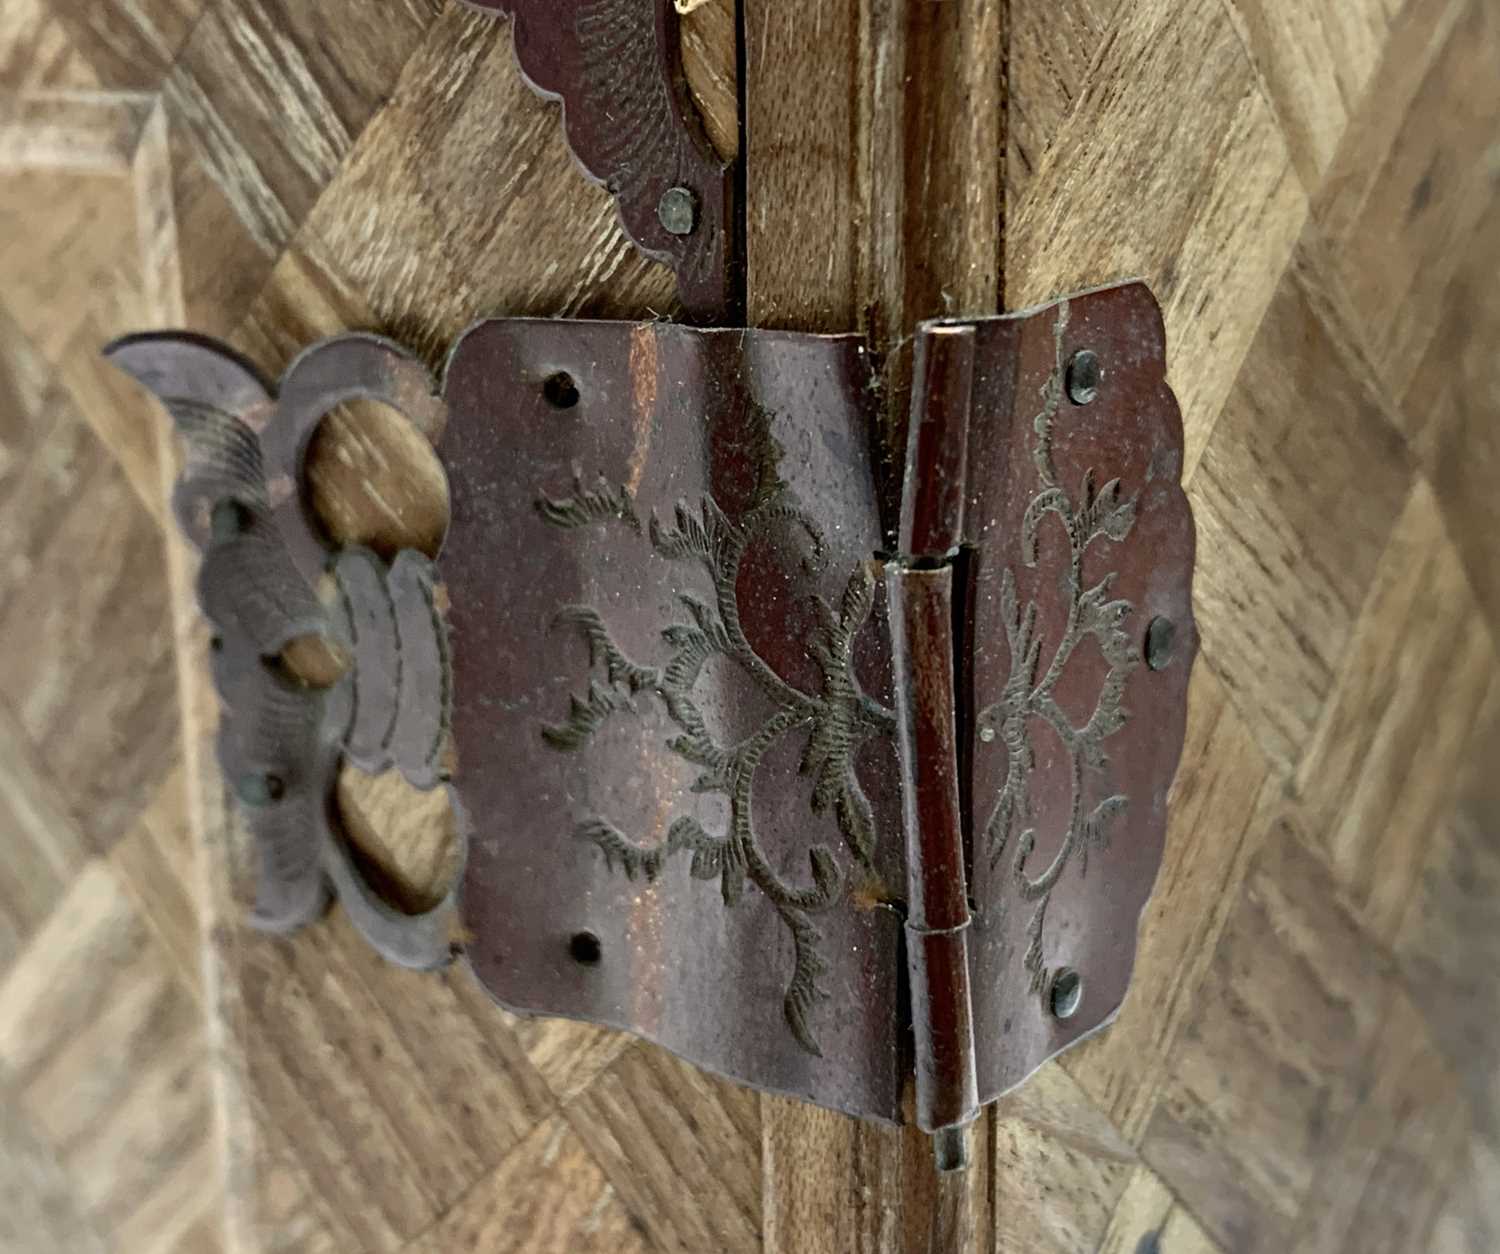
[616,68]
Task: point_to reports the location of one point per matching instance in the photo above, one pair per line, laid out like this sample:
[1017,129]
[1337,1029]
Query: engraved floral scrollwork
[837,720]
[1094,513]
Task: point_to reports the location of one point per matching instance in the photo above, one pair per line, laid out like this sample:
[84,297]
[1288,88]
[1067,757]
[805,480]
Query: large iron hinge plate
[735,777]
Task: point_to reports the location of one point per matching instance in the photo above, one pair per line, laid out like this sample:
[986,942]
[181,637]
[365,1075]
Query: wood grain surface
[1308,1060]
[891,117]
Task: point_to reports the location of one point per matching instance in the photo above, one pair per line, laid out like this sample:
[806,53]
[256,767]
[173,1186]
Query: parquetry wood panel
[1307,1061]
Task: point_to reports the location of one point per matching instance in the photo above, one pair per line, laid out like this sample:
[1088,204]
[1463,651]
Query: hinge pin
[950,1147]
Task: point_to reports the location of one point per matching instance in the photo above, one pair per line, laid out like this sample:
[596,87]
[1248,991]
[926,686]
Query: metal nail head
[678,211]
[1067,993]
[1161,635]
[229,519]
[1084,376]
[259,791]
[950,1148]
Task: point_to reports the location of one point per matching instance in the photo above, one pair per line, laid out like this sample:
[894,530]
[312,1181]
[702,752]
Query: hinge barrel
[937,921]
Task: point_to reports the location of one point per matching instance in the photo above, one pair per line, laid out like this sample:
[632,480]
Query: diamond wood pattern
[1308,1058]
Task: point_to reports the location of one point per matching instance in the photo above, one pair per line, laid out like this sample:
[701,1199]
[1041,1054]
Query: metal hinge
[733,776]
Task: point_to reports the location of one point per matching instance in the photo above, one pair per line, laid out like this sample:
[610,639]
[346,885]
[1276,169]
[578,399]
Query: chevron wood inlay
[1307,1061]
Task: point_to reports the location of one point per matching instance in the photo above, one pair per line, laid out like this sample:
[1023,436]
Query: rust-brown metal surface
[672,695]
[677,718]
[938,917]
[811,815]
[1075,537]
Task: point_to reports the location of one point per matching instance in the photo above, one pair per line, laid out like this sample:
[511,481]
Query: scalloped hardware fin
[632,126]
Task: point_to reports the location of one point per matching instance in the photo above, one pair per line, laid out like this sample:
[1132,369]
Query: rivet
[1161,635]
[229,519]
[1067,993]
[560,391]
[677,211]
[987,734]
[1084,376]
[259,791]
[585,949]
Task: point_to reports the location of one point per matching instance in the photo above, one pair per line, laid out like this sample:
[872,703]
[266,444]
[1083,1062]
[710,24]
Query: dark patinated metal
[817,817]
[616,66]
[1045,475]
[241,499]
[673,696]
[691,740]
[1084,376]
[937,908]
[1161,636]
[1067,993]
[1076,535]
[678,211]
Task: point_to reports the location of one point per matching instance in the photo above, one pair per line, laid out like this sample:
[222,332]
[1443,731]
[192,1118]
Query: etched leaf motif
[837,720]
[619,668]
[804,994]
[708,863]
[1096,827]
[840,723]
[1105,621]
[585,716]
[1105,514]
[1053,501]
[599,504]
[619,850]
[1026,697]
[695,535]
[765,456]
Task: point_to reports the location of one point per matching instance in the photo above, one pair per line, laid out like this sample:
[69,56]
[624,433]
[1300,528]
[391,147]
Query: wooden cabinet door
[1311,190]
[1307,1058]
[1306,187]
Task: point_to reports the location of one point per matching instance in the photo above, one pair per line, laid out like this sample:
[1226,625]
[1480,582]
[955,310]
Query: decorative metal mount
[616,66]
[241,500]
[818,818]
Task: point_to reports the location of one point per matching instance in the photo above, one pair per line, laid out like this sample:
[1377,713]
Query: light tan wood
[1447,948]
[1421,650]
[1281,602]
[1037,1204]
[1211,836]
[40,1209]
[681,1149]
[1308,1058]
[829,1184]
[710,54]
[102,1055]
[885,117]
[1168,166]
[1313,63]
[810,222]
[514,1214]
